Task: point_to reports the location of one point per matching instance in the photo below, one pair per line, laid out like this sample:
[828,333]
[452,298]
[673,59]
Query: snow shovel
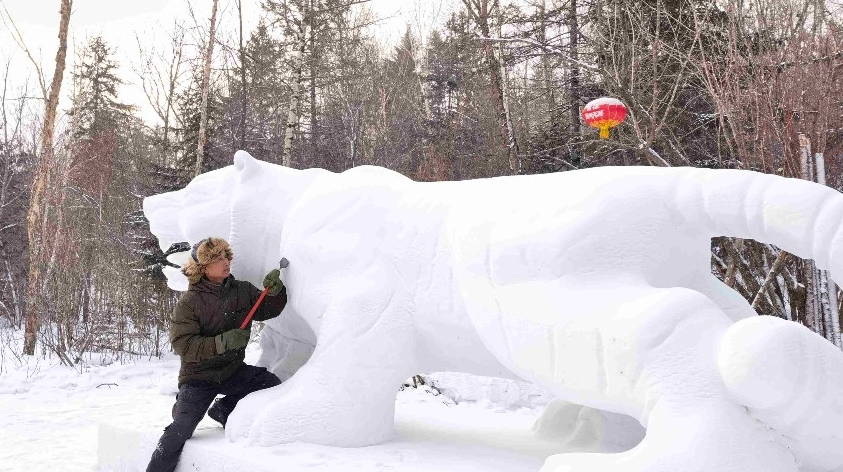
[284,263]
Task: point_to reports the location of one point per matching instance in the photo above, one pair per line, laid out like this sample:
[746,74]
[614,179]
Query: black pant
[192,402]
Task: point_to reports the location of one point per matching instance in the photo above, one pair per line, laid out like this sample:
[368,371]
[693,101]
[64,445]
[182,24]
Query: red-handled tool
[284,263]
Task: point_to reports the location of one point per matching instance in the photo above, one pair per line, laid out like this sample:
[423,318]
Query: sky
[118,22]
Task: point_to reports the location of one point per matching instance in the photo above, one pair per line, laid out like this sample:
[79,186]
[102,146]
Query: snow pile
[602,294]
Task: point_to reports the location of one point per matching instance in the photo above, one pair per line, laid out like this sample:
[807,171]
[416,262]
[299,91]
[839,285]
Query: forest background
[482,88]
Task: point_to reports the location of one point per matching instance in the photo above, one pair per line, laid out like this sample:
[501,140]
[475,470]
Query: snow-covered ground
[55,418]
[49,413]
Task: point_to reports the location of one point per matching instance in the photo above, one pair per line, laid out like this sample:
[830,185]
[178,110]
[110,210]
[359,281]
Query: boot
[218,413]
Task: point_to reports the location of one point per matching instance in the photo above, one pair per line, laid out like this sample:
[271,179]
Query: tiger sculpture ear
[245,165]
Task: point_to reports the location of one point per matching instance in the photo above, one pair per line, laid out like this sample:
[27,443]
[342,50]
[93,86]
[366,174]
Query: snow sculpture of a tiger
[595,284]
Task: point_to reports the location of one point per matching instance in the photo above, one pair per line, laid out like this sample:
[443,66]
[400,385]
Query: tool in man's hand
[284,263]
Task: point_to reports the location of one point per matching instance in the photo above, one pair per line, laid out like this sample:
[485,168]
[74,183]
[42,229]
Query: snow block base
[122,449]
[467,441]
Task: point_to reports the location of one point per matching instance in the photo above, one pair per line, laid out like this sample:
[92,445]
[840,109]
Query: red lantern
[604,113]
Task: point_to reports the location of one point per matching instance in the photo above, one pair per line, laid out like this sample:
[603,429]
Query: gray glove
[232,339]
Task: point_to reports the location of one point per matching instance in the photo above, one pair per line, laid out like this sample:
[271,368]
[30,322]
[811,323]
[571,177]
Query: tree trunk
[828,289]
[813,313]
[242,79]
[480,11]
[17,316]
[511,144]
[734,256]
[774,271]
[295,98]
[548,83]
[835,313]
[36,217]
[174,71]
[574,52]
[314,59]
[206,86]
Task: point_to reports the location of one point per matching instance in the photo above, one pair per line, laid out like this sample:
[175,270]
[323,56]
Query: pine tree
[266,97]
[96,108]
[462,125]
[108,148]
[323,41]
[397,125]
[189,103]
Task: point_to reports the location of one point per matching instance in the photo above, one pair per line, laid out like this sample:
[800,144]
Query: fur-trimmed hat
[203,254]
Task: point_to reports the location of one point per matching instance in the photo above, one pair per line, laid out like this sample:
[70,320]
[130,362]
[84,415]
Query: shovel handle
[254,307]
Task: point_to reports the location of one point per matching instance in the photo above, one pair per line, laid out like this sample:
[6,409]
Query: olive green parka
[206,310]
